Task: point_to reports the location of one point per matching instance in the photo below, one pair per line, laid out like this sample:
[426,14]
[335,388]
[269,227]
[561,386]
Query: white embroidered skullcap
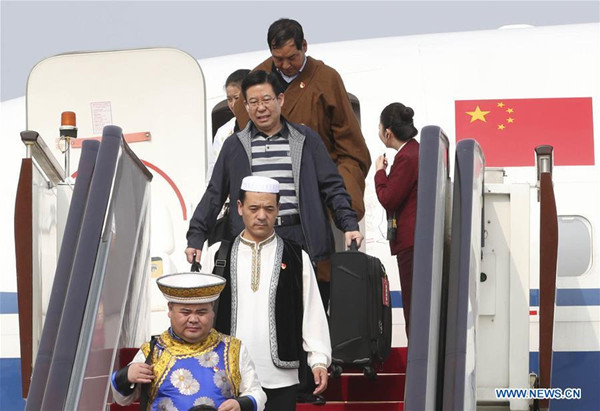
[191,288]
[260,184]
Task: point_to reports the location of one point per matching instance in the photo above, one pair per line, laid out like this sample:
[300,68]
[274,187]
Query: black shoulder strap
[219,269]
[221,258]
[145,396]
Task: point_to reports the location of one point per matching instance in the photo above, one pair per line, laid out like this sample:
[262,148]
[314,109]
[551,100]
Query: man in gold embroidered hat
[191,363]
[271,299]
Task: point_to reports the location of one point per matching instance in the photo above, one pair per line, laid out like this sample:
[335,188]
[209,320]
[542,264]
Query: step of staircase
[353,406]
[356,387]
[330,406]
[126,356]
[352,391]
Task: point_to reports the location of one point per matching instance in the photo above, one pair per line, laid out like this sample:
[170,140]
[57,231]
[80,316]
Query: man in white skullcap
[191,364]
[271,300]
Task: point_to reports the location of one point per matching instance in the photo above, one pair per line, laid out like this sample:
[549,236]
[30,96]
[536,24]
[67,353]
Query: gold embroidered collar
[254,244]
[256,253]
[180,347]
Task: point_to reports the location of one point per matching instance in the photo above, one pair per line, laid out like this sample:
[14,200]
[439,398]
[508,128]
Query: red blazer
[398,192]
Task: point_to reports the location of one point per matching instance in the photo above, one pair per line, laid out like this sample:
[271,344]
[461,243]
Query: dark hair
[261,77]
[284,30]
[236,77]
[242,196]
[399,118]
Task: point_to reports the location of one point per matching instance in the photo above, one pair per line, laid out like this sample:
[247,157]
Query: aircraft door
[157,96]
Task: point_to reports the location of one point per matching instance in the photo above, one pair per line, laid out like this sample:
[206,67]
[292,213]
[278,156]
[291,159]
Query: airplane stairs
[351,392]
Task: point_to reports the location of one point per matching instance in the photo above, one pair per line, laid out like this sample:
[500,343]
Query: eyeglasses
[266,100]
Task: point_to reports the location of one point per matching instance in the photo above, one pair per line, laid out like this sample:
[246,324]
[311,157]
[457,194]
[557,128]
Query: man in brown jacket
[316,97]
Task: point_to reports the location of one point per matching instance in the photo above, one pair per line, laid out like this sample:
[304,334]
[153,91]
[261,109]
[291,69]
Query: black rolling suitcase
[360,321]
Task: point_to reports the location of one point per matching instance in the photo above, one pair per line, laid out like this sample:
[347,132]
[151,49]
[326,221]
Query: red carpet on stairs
[353,406]
[351,392]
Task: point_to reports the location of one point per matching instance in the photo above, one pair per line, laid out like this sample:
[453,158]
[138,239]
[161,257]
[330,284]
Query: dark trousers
[281,399]
[325,291]
[405,268]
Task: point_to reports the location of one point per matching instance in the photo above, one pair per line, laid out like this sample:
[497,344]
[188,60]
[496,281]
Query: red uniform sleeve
[392,190]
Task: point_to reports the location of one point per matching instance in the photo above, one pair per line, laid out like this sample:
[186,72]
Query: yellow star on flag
[510,110]
[500,104]
[510,120]
[478,114]
[501,127]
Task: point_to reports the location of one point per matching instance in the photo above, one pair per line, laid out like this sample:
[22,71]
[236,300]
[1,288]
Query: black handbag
[221,230]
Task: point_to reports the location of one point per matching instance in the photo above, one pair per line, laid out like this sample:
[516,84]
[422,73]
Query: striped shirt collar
[284,132]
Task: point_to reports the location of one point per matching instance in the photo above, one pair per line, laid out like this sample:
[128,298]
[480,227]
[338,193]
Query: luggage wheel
[370,373]
[336,371]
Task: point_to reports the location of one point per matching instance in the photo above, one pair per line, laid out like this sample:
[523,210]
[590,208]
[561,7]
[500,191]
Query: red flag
[509,130]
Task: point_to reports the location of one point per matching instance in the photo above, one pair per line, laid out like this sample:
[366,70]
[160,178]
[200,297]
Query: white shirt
[289,79]
[222,133]
[252,320]
[249,384]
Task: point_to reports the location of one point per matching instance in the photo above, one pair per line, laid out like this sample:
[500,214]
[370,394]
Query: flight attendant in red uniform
[397,191]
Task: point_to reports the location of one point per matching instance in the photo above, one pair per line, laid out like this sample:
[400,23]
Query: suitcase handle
[354,245]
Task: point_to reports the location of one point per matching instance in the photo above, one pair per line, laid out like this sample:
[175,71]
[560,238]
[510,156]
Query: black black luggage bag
[360,323]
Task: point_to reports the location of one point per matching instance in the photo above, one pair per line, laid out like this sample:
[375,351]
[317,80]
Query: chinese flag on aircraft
[509,130]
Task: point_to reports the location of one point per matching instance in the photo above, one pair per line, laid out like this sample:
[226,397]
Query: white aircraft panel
[157,90]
